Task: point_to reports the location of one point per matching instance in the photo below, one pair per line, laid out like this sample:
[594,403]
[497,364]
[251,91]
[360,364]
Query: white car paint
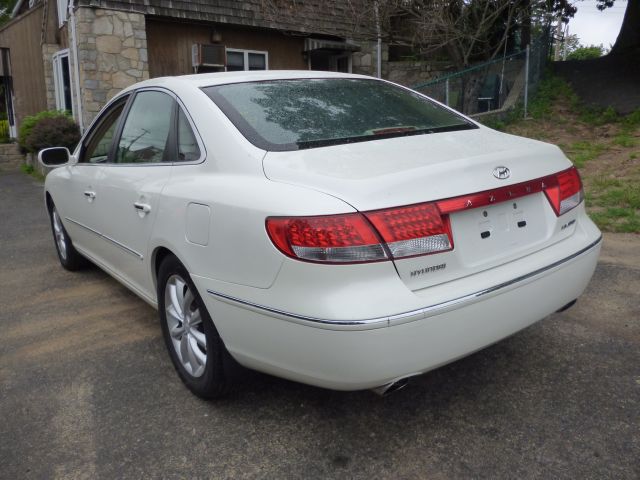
[337,326]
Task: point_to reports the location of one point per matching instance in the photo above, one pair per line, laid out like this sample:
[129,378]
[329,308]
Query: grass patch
[601,143]
[550,90]
[583,151]
[30,170]
[614,203]
[603,183]
[595,116]
[632,120]
[627,196]
[624,140]
[622,220]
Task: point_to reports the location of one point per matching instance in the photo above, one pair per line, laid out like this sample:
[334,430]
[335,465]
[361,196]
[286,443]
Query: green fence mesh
[500,84]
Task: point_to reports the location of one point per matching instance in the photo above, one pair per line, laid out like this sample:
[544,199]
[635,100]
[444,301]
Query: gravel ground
[87,389]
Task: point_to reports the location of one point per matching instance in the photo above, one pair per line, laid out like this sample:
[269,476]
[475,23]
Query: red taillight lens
[328,239]
[564,191]
[413,230]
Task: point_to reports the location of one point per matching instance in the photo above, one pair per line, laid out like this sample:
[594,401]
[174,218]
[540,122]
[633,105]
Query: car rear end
[449,241]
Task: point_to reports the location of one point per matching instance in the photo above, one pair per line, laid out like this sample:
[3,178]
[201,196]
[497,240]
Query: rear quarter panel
[239,250]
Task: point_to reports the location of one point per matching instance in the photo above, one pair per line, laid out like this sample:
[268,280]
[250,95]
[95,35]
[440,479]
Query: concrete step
[10,154]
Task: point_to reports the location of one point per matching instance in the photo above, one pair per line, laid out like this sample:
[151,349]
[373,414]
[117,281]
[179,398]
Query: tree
[570,44]
[466,31]
[474,31]
[6,7]
[587,52]
[629,37]
[469,31]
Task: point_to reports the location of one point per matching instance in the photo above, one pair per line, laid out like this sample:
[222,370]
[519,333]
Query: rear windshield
[282,115]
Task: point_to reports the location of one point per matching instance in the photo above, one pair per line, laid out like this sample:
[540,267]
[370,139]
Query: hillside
[603,145]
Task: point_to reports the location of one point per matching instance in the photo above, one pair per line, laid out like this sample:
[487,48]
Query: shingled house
[119,42]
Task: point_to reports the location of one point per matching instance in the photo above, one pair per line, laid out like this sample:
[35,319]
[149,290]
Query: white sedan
[332,229]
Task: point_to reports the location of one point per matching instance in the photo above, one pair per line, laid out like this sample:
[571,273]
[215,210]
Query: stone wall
[412,72]
[112,54]
[48,50]
[10,156]
[365,62]
[406,73]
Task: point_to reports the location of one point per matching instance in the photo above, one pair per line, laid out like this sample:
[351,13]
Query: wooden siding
[51,32]
[169,45]
[22,37]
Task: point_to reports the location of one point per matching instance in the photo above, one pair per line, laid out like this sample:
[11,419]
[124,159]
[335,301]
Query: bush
[4,131]
[586,53]
[28,124]
[48,129]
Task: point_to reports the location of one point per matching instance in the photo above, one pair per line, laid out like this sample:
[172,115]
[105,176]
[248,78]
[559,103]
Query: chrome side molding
[109,239]
[405,317]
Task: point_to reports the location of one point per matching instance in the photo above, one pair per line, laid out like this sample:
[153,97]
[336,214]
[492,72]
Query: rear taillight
[413,230]
[407,231]
[328,239]
[564,190]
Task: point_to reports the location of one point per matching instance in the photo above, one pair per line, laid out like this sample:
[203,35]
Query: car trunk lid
[410,170]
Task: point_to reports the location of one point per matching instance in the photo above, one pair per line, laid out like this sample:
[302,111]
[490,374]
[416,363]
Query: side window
[146,129]
[98,144]
[238,60]
[188,150]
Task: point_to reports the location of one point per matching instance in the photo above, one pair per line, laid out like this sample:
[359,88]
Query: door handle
[89,194]
[142,207]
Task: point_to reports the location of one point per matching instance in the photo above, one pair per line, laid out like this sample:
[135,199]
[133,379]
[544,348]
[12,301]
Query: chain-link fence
[498,85]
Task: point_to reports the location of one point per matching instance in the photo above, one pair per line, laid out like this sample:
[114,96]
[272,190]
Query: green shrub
[585,53]
[4,131]
[48,129]
[550,89]
[633,119]
[26,168]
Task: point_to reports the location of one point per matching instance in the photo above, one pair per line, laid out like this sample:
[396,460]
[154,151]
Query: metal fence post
[526,81]
[446,92]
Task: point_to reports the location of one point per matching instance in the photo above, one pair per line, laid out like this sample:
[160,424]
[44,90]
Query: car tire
[195,347]
[69,257]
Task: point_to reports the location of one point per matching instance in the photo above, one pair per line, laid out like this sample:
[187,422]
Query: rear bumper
[356,354]
[411,315]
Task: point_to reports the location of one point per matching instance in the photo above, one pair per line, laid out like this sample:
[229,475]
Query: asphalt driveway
[88,391]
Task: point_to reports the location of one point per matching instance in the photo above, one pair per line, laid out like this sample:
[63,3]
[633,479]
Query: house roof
[333,17]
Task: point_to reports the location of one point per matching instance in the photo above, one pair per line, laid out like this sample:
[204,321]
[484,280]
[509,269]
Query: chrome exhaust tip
[391,387]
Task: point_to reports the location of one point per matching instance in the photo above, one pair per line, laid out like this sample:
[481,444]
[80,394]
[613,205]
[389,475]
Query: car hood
[412,169]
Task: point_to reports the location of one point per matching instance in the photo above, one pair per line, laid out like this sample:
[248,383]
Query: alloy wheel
[58,232]
[184,322]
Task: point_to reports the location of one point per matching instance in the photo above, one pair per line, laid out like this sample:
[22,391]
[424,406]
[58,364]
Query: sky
[594,27]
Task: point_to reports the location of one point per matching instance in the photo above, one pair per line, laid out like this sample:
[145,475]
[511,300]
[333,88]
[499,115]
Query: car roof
[221,78]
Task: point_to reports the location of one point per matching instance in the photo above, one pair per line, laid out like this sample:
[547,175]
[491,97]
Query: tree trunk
[525,30]
[471,86]
[629,36]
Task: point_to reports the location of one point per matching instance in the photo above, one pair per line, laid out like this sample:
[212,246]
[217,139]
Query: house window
[62,80]
[238,60]
[62,11]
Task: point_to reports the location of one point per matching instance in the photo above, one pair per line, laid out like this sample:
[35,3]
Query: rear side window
[281,115]
[188,150]
[146,130]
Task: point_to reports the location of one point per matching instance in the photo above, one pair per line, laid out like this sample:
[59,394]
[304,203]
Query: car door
[80,201]
[131,185]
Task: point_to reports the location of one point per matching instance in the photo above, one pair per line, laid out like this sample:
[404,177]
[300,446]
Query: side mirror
[54,157]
